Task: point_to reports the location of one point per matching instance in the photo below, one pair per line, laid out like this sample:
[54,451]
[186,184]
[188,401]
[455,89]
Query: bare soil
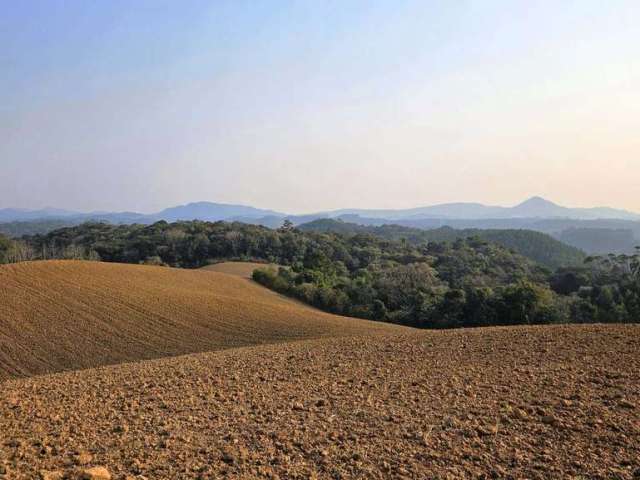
[67,315]
[240,269]
[514,403]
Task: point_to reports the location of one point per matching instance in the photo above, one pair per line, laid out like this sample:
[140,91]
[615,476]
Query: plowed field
[305,395]
[506,403]
[62,315]
[241,269]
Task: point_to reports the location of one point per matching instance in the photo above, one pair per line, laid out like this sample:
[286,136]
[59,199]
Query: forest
[429,284]
[33,227]
[537,246]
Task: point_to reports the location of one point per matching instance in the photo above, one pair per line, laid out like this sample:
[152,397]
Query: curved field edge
[64,315]
[241,269]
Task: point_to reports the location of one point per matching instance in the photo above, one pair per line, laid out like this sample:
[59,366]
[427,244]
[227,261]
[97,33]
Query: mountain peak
[536,202]
[540,207]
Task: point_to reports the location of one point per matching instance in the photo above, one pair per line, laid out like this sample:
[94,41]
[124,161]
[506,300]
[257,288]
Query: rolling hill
[62,315]
[304,394]
[536,246]
[24,214]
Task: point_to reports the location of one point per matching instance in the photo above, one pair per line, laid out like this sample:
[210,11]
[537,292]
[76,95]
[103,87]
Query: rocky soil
[512,403]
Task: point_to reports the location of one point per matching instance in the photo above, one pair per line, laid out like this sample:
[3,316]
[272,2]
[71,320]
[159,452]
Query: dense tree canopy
[465,283]
[537,246]
[34,227]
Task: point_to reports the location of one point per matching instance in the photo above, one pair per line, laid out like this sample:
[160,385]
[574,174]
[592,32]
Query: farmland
[203,374]
[62,315]
[509,402]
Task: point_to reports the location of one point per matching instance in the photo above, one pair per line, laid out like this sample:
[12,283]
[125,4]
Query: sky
[304,106]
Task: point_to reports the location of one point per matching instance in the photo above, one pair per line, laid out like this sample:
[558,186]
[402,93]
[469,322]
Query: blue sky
[303,106]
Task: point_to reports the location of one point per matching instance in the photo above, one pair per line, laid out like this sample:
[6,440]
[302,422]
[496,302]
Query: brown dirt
[240,269]
[512,403]
[62,315]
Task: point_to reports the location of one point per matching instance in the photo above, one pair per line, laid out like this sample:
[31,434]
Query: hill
[60,315]
[34,227]
[602,241]
[456,404]
[536,246]
[595,237]
[23,214]
[209,211]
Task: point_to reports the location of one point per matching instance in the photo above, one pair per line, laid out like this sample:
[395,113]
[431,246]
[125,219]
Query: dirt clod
[51,475]
[83,458]
[95,473]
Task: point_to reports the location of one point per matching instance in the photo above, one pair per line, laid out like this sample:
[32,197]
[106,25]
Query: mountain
[192,211]
[213,212]
[446,210]
[538,207]
[535,207]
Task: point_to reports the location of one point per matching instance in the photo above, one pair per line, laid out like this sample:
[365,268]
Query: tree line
[432,284]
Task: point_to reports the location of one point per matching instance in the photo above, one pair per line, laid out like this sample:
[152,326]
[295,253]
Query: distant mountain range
[594,230]
[535,207]
[206,211]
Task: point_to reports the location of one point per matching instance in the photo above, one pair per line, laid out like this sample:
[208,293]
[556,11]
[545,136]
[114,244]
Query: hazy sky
[311,105]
